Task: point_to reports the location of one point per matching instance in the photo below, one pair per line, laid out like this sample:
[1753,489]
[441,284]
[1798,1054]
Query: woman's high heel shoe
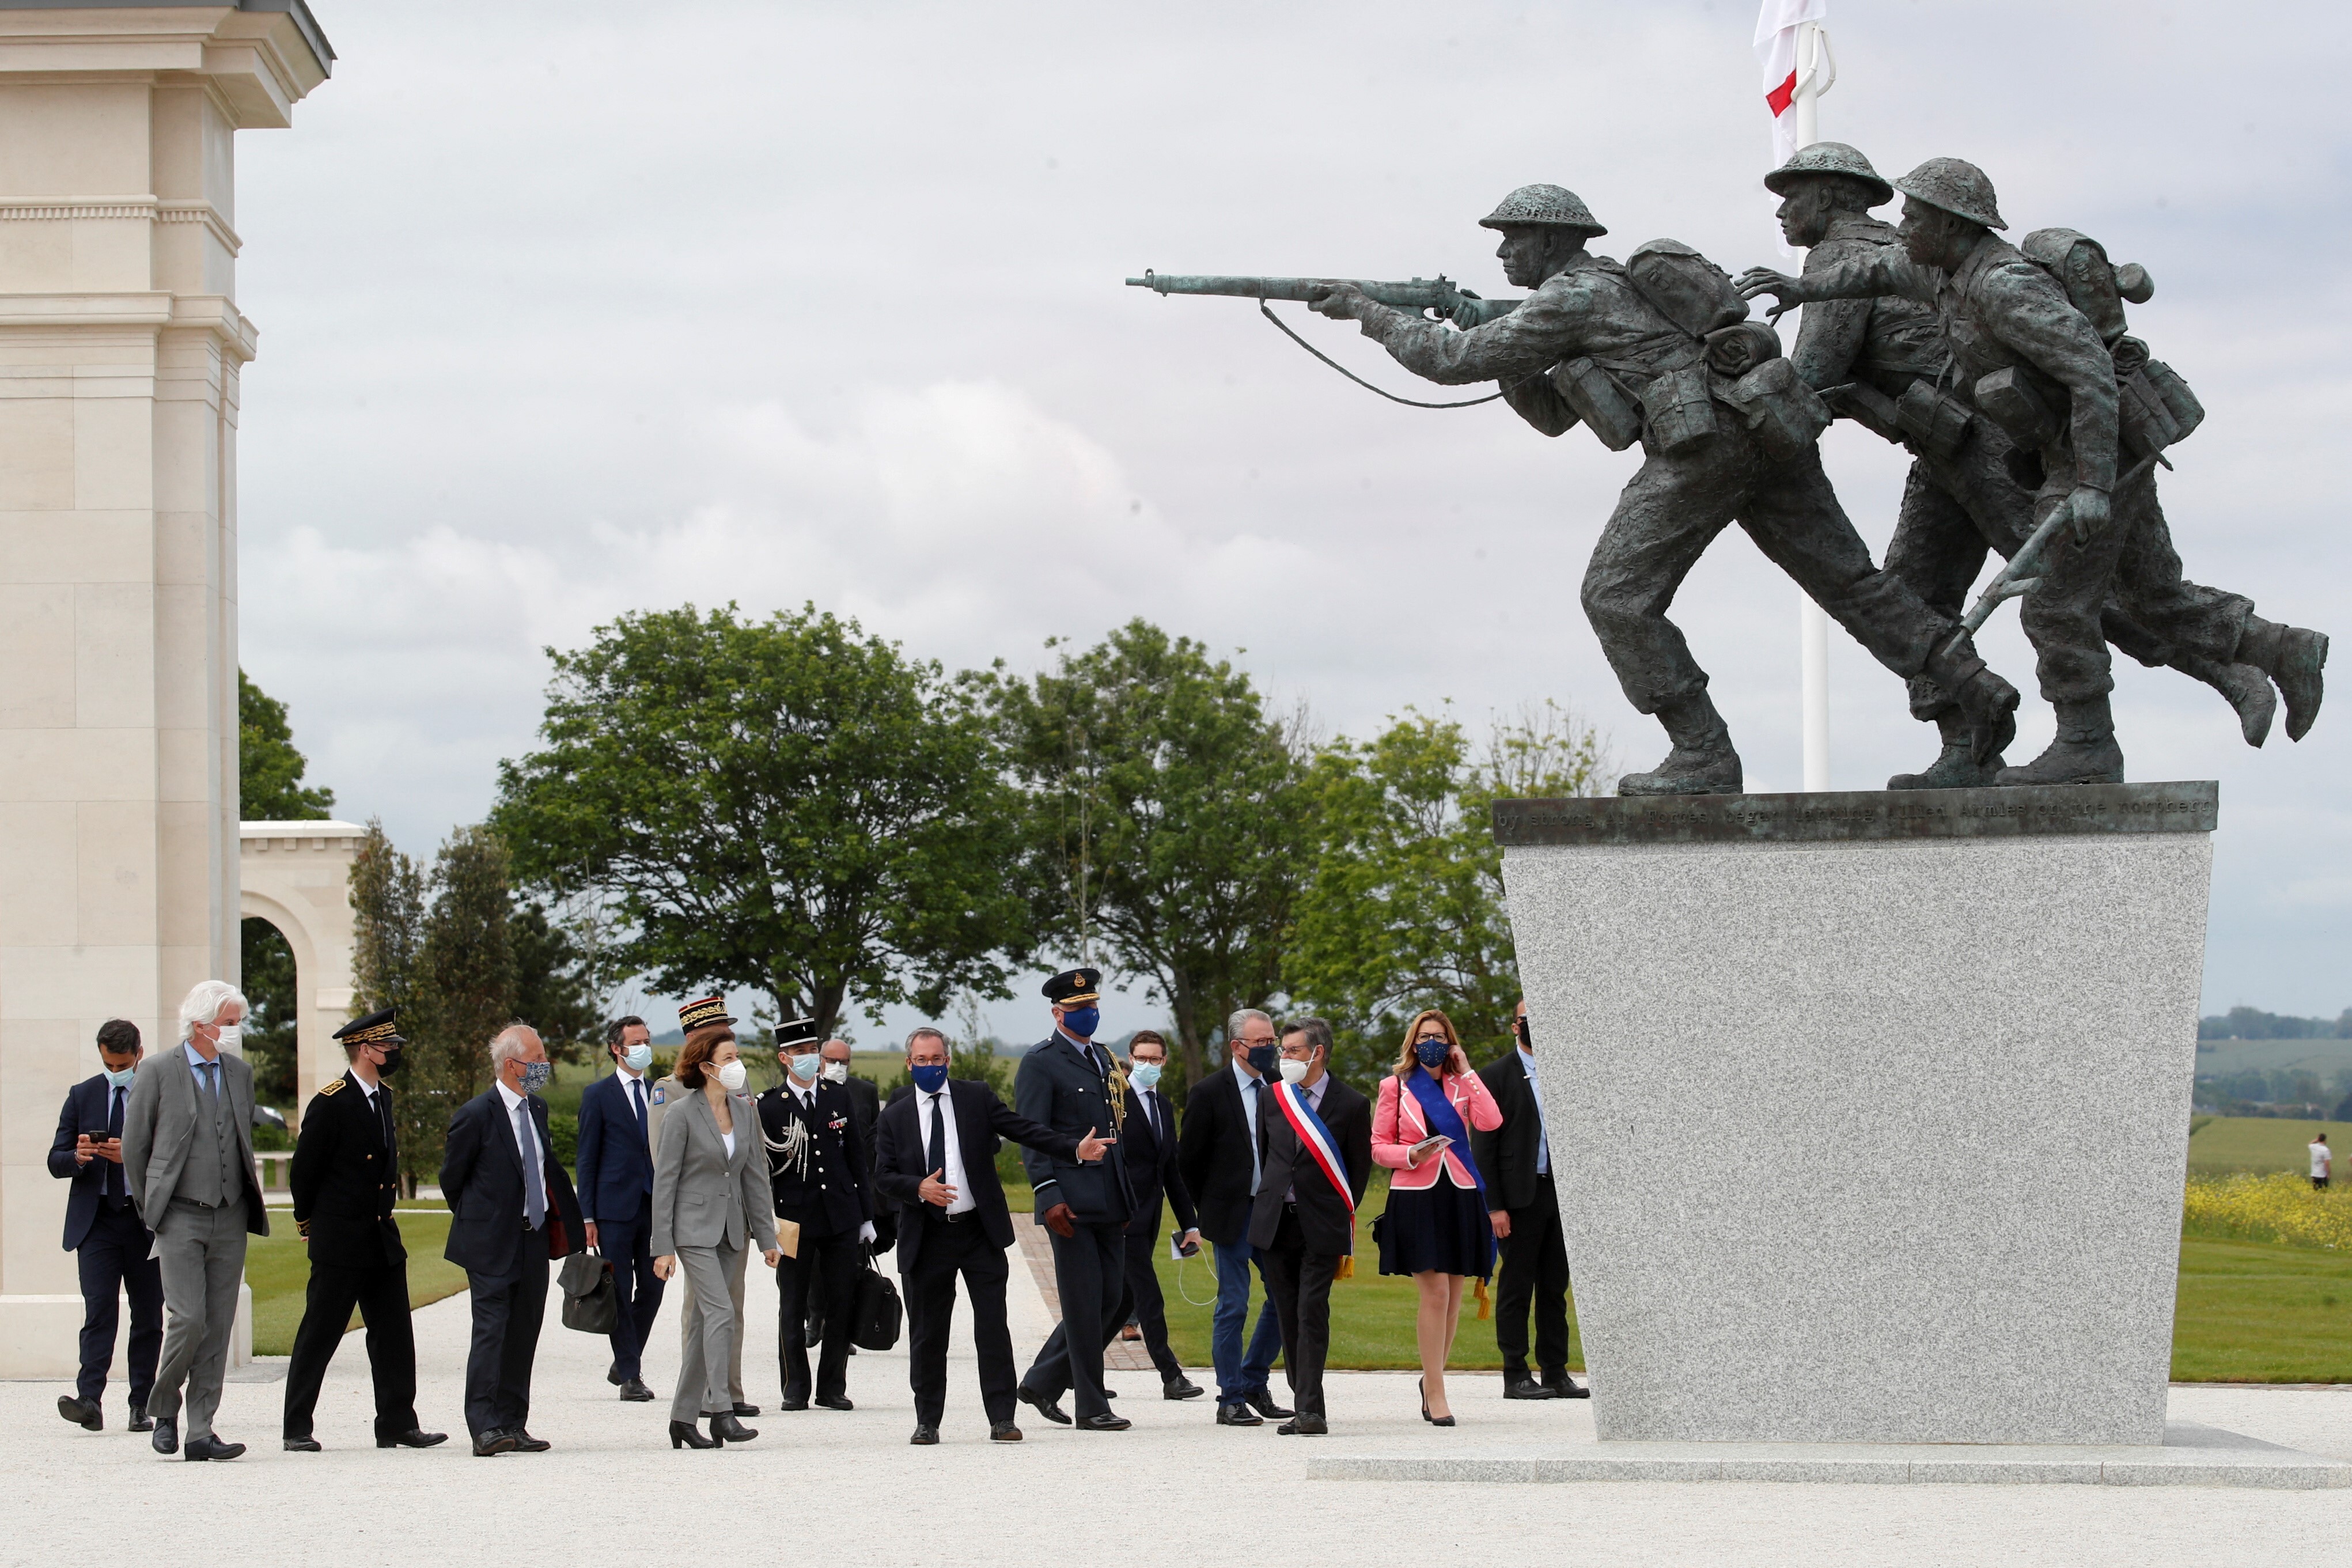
[727,1429]
[687,1435]
[1423,1384]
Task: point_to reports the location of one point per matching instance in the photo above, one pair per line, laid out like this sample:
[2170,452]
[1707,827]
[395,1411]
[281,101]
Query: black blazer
[1152,1169]
[346,1178]
[833,1193]
[866,1104]
[1054,1087]
[85,1111]
[1214,1156]
[1322,1218]
[617,1161]
[481,1175]
[982,1121]
[1507,1156]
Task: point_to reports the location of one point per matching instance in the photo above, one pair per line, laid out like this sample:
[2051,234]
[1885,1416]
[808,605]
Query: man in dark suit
[1303,1224]
[1151,1142]
[345,1179]
[617,1194]
[817,1172]
[936,1160]
[110,1243]
[512,1210]
[1218,1157]
[1516,1159]
[1068,1083]
[866,1108]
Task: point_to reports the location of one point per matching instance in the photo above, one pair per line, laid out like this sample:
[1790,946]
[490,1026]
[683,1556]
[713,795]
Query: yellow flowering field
[2280,1207]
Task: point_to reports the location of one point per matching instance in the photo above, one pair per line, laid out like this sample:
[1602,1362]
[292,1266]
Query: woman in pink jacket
[1437,1205]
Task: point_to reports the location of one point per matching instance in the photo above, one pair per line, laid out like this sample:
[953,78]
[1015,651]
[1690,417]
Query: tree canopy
[268,768]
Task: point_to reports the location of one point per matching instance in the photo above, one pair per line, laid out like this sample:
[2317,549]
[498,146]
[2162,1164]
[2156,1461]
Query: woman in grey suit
[710,1203]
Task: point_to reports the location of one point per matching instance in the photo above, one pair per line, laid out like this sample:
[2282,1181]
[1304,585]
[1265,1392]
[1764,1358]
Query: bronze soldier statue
[2020,385]
[1658,349]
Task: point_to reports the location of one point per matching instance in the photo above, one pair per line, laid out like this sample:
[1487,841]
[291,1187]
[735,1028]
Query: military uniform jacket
[1999,310]
[816,1160]
[1057,1089]
[346,1178]
[1889,342]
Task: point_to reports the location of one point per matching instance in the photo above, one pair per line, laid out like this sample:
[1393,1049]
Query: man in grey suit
[187,1152]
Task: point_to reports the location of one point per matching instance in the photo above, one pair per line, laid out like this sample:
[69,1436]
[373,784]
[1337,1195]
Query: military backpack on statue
[875,1318]
[592,1302]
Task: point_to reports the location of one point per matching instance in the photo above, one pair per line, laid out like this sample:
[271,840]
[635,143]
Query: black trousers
[1050,1375]
[113,1262]
[1299,1283]
[382,1297]
[507,1315]
[1090,1276]
[1147,1306]
[949,1250]
[626,1244]
[1535,1274]
[827,1263]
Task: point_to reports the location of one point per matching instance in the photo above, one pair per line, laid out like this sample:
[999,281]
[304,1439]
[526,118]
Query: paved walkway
[1176,1490]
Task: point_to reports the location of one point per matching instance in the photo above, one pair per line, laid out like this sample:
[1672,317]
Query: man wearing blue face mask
[617,1194]
[104,1231]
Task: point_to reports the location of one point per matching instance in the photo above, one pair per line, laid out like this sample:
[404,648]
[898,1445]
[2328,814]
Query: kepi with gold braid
[708,1013]
[374,1029]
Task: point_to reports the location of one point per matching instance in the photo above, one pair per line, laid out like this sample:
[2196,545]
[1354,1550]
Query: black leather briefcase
[874,1326]
[592,1302]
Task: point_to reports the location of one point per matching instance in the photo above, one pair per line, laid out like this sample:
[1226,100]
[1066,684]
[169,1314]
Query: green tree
[787,807]
[387,894]
[1167,834]
[555,988]
[269,789]
[1404,910]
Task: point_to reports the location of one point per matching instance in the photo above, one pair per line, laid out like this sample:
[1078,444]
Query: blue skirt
[1444,1228]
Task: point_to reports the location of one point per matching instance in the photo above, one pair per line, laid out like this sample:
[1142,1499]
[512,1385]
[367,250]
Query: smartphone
[1178,1248]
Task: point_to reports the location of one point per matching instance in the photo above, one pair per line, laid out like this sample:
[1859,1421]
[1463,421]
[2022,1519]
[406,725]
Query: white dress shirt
[941,1105]
[1543,1128]
[534,1166]
[1252,1087]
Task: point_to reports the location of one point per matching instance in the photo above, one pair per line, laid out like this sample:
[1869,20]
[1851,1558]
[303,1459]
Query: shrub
[2281,1207]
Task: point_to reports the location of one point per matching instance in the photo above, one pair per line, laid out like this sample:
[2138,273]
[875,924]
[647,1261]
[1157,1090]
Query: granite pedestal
[1869,1111]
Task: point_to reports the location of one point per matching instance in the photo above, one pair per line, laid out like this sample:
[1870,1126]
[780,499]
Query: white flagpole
[1812,621]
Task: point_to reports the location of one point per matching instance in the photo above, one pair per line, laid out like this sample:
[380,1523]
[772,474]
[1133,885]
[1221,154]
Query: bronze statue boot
[1702,760]
[1956,767]
[2084,751]
[1988,702]
[2294,659]
[2246,688]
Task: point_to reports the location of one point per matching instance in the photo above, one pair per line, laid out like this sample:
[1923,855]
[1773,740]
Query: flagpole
[1812,621]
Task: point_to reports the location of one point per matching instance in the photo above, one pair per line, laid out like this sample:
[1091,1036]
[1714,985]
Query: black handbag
[874,1324]
[591,1301]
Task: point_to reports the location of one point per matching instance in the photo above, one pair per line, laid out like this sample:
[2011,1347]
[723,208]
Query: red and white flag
[1776,48]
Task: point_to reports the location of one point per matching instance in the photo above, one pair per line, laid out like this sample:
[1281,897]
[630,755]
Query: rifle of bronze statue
[1436,296]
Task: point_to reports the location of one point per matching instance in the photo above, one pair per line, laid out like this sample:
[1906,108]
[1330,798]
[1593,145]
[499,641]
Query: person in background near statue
[1152,1144]
[1314,1139]
[103,1231]
[820,1209]
[345,1181]
[1883,360]
[616,1195]
[865,1110]
[1070,1085]
[187,1152]
[2323,1160]
[511,1213]
[1523,1206]
[1217,1154]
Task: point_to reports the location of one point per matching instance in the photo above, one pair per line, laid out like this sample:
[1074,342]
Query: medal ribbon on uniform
[1317,1140]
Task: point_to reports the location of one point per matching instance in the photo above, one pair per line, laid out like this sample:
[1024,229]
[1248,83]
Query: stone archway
[296,875]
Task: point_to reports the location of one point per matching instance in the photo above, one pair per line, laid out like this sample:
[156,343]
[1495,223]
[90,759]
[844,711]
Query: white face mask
[836,1072]
[225,1037]
[732,1076]
[1295,1072]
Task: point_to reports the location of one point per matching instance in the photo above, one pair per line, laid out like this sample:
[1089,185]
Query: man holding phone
[1517,1160]
[1152,1167]
[103,1230]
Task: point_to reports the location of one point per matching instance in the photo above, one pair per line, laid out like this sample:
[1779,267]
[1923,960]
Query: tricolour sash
[1317,1140]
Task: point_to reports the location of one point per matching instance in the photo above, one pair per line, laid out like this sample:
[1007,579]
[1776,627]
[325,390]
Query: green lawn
[2224,1143]
[278,1267]
[2255,1312]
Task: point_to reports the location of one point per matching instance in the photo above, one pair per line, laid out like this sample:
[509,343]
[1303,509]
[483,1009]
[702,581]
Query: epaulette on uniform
[334,1088]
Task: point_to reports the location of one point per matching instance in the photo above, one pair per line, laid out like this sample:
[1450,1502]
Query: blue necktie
[534,1182]
[114,1186]
[637,1098]
[1257,1108]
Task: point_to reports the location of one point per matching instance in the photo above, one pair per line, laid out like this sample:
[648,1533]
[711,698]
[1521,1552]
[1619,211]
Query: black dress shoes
[210,1447]
[925,1435]
[791,1402]
[497,1440]
[1262,1401]
[139,1420]
[1519,1385]
[1563,1386]
[83,1413]
[834,1402]
[301,1444]
[1238,1415]
[1106,1422]
[414,1437]
[526,1444]
[727,1429]
[746,1410]
[1181,1387]
[166,1439]
[1004,1432]
[636,1391]
[1050,1409]
[613,1375]
[1110,1393]
[1304,1426]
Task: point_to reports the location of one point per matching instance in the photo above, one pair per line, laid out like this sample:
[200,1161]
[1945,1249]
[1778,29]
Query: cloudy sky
[574,306]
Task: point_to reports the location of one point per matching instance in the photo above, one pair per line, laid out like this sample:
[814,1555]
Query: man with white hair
[187,1153]
[511,1211]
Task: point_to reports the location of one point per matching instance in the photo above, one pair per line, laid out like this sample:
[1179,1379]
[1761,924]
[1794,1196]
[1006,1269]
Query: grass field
[2224,1143]
[278,1267]
[2253,1311]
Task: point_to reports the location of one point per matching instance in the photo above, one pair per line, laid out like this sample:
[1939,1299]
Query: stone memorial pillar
[120,346]
[1870,1110]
